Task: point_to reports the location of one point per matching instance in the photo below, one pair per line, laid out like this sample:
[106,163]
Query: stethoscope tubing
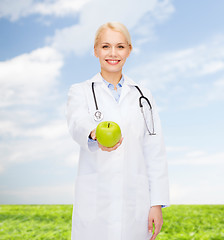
[150,107]
[142,97]
[94,96]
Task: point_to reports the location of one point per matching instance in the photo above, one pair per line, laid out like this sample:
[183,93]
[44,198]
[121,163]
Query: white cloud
[196,177]
[79,38]
[60,194]
[191,63]
[23,8]
[196,154]
[216,91]
[92,13]
[166,7]
[1,169]
[32,135]
[6,127]
[28,130]
[15,9]
[73,159]
[176,149]
[202,192]
[30,149]
[212,67]
[25,79]
[59,7]
[31,140]
[54,129]
[199,158]
[219,83]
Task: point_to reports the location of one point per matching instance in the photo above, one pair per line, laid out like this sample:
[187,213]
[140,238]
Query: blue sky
[45,46]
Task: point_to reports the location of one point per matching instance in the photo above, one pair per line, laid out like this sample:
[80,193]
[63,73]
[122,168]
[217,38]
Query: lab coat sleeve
[93,145]
[156,163]
[80,123]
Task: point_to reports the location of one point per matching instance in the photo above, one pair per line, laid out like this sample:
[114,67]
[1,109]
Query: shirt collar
[111,86]
[98,79]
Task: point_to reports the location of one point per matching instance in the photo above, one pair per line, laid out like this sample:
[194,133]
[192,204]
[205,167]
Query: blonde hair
[116,26]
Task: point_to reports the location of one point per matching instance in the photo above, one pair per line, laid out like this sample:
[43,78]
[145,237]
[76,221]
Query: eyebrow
[110,43]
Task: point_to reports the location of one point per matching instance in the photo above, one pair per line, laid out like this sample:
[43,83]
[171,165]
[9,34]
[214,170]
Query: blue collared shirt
[116,93]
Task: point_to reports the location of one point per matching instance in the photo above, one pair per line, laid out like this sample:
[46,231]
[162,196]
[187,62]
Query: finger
[109,149]
[103,148]
[116,146]
[113,148]
[153,237]
[156,232]
[150,226]
[121,140]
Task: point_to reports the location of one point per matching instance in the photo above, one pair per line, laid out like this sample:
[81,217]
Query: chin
[112,69]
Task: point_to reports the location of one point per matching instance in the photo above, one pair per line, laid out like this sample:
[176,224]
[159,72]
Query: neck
[112,78]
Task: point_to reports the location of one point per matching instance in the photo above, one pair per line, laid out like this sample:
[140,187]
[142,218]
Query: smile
[112,62]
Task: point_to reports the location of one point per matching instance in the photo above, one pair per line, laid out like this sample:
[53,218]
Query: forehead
[111,36]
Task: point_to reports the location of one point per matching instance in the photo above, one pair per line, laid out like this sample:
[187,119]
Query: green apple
[108,133]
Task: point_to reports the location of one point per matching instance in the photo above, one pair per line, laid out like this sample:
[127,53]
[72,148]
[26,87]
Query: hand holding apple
[110,149]
[108,134]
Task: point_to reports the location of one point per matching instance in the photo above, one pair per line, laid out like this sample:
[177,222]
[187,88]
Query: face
[112,50]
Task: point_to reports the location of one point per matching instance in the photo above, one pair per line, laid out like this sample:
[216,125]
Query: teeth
[112,61]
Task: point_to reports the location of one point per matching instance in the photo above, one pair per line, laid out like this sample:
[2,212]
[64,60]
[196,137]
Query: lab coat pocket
[85,197]
[142,198]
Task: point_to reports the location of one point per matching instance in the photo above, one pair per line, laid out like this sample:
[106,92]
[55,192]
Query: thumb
[150,226]
[93,134]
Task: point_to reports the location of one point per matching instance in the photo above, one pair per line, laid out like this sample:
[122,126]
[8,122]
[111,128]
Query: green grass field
[31,222]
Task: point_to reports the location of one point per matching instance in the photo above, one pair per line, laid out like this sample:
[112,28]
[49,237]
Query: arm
[80,122]
[156,164]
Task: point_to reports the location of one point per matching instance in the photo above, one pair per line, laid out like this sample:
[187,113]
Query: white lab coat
[114,190]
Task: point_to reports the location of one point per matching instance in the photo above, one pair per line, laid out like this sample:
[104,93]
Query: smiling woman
[119,190]
[112,47]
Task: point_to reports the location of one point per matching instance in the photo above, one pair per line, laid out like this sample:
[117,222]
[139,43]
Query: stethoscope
[98,115]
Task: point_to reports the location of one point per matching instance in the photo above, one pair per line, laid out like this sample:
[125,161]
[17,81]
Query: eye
[105,46]
[120,46]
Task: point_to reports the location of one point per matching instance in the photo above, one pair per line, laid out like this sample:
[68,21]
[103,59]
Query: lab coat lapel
[98,79]
[128,84]
[125,90]
[105,88]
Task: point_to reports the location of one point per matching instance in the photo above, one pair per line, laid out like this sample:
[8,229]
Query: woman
[119,191]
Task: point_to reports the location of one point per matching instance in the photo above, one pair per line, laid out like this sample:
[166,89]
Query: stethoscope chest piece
[98,116]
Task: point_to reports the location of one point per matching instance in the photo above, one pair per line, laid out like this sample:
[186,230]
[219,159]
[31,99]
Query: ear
[130,48]
[95,52]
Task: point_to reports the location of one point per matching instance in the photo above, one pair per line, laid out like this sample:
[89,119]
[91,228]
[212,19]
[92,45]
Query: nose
[113,52]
